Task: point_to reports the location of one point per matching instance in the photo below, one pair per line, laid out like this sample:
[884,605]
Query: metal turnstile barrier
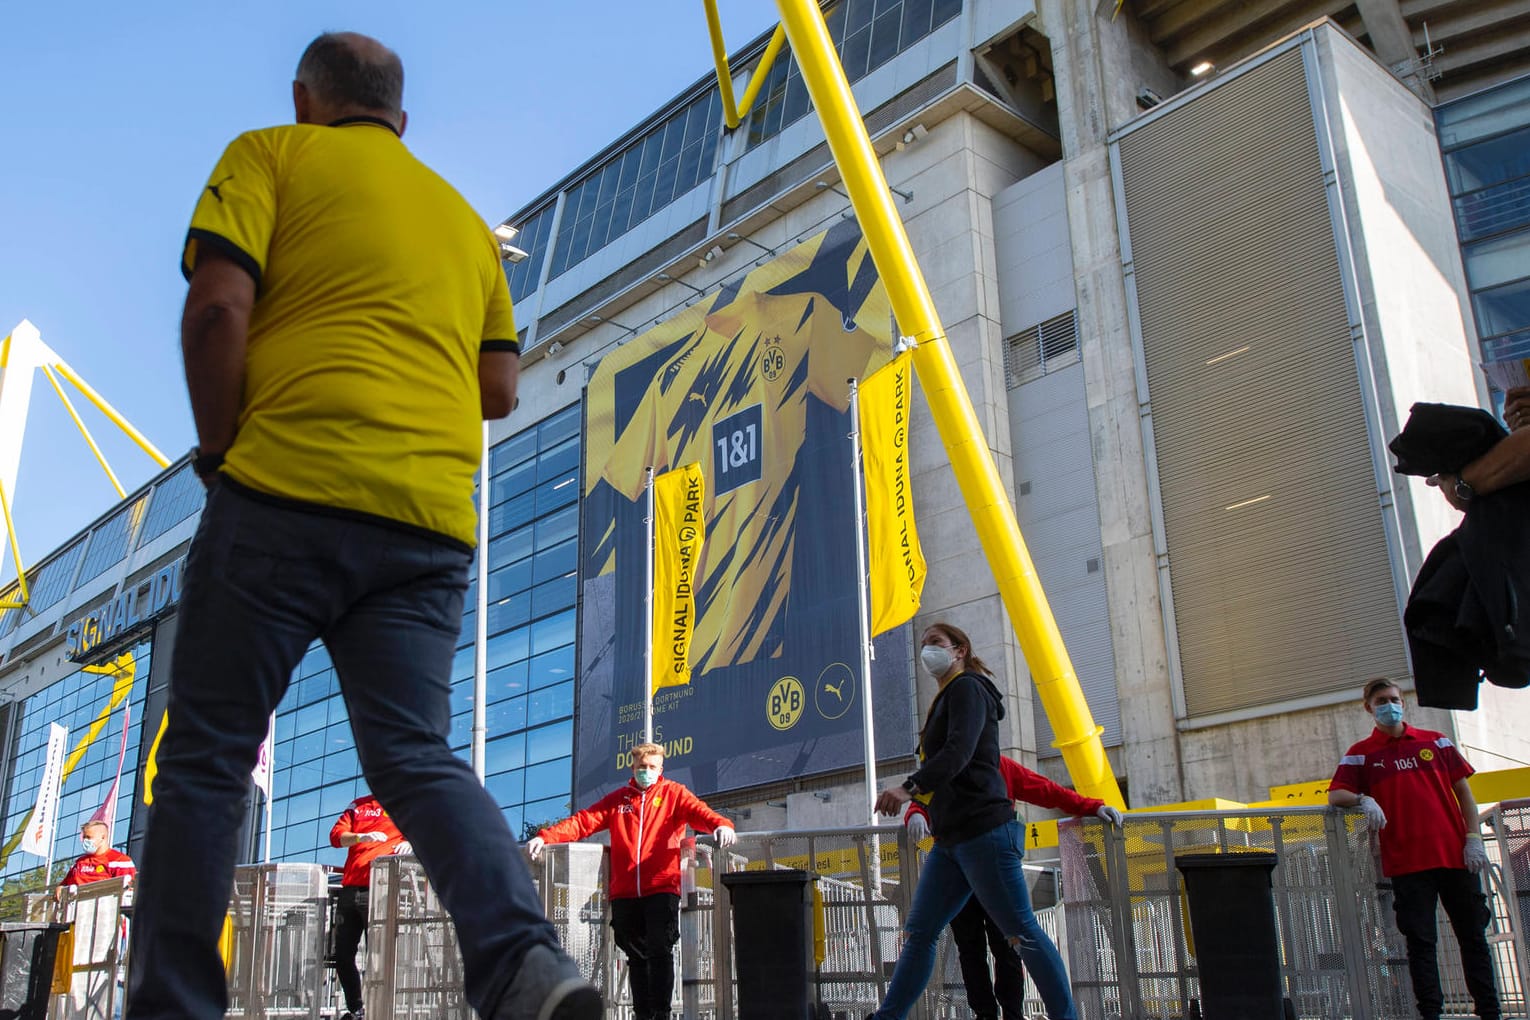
[98,948]
[276,967]
[413,964]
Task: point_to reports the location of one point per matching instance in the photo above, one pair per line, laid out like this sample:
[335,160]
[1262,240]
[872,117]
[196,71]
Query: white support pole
[266,853]
[481,618]
[648,620]
[863,603]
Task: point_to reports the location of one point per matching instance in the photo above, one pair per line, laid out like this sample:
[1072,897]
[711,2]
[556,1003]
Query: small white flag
[261,773]
[39,835]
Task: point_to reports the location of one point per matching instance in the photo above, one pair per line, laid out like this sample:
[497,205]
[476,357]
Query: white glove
[403,849]
[918,828]
[1110,815]
[1375,818]
[1475,856]
[371,837]
[534,848]
[725,836]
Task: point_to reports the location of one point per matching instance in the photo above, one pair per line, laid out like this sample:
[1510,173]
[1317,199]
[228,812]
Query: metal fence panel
[98,943]
[276,967]
[414,968]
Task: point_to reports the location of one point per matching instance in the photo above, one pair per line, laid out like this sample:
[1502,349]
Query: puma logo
[213,188]
[838,691]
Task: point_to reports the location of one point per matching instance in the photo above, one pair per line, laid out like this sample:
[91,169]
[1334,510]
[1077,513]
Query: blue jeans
[262,582]
[988,867]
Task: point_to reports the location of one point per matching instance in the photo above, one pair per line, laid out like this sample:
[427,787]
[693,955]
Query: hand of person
[725,835]
[891,800]
[1447,486]
[403,849]
[918,828]
[1475,855]
[534,848]
[1375,818]
[1516,408]
[372,837]
[1110,815]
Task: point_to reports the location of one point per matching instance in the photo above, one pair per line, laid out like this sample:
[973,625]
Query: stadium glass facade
[533,542]
[90,704]
[1485,139]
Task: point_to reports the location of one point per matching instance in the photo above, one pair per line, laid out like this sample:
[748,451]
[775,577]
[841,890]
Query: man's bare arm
[1468,804]
[1343,798]
[498,373]
[214,334]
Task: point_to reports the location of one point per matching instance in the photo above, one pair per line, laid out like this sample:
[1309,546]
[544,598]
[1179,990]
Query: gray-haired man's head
[344,74]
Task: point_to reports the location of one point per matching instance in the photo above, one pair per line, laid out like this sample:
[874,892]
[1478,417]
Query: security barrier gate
[276,960]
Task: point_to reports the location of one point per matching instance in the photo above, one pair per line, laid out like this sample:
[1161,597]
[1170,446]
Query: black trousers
[975,934]
[350,925]
[1460,893]
[646,929]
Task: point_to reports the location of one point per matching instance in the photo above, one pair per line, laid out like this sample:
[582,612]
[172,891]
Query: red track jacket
[1025,785]
[99,867]
[364,815]
[646,828]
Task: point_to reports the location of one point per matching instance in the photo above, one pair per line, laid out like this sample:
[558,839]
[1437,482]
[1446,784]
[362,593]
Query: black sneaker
[549,987]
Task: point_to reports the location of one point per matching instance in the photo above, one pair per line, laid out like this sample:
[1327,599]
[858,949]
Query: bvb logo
[773,360]
[1426,754]
[783,706]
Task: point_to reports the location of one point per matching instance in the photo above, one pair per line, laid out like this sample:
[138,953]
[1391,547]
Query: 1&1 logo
[783,706]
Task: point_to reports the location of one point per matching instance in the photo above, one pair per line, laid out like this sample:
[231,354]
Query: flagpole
[863,603]
[481,619]
[648,619]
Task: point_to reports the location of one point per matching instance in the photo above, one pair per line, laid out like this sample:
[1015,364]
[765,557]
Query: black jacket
[960,771]
[1468,616]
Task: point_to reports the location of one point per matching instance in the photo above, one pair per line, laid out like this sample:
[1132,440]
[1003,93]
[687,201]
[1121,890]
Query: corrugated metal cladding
[1276,549]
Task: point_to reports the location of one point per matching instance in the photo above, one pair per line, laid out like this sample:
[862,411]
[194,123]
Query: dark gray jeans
[262,582]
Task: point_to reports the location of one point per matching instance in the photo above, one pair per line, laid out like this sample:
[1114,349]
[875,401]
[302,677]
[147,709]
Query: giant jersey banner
[751,382]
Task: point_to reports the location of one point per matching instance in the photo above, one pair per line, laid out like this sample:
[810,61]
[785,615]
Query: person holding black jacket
[979,845]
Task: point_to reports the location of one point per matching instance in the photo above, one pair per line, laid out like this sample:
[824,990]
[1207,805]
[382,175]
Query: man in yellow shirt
[347,329]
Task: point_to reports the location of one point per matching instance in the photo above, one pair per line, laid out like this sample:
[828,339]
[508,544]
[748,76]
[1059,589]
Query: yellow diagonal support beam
[733,115]
[90,440]
[112,414]
[761,72]
[982,489]
[10,531]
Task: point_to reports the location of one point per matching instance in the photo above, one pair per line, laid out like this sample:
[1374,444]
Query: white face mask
[88,843]
[646,777]
[937,659]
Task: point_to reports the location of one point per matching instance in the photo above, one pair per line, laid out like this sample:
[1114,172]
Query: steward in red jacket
[99,862]
[367,833]
[647,819]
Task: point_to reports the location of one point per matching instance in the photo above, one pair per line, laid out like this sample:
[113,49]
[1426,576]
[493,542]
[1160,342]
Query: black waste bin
[773,943]
[1232,920]
[27,953]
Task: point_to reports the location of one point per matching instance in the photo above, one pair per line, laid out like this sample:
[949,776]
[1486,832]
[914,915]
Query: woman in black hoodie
[978,843]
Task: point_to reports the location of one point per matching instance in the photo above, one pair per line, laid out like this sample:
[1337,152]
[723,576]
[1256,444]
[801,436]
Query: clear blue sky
[113,114]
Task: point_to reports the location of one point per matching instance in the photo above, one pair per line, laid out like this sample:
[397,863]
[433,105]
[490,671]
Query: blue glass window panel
[559,427]
[303,807]
[503,649]
[674,138]
[559,460]
[653,143]
[549,779]
[52,581]
[462,696]
[512,513]
[545,812]
[511,611]
[506,454]
[504,753]
[307,775]
[556,561]
[507,716]
[333,800]
[551,703]
[507,788]
[175,499]
[608,180]
[857,53]
[945,10]
[553,632]
[315,660]
[627,171]
[689,172]
[342,765]
[557,491]
[462,664]
[551,668]
[884,38]
[462,730]
[556,527]
[506,549]
[508,580]
[111,540]
[917,18]
[337,712]
[507,681]
[858,14]
[579,243]
[548,742]
[306,748]
[796,103]
[556,594]
[312,717]
[621,211]
[1503,309]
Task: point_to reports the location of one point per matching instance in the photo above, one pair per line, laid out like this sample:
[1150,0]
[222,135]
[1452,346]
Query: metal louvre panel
[1277,556]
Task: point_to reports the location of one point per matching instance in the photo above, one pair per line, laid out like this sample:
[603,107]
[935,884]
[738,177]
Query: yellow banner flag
[896,560]
[678,531]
